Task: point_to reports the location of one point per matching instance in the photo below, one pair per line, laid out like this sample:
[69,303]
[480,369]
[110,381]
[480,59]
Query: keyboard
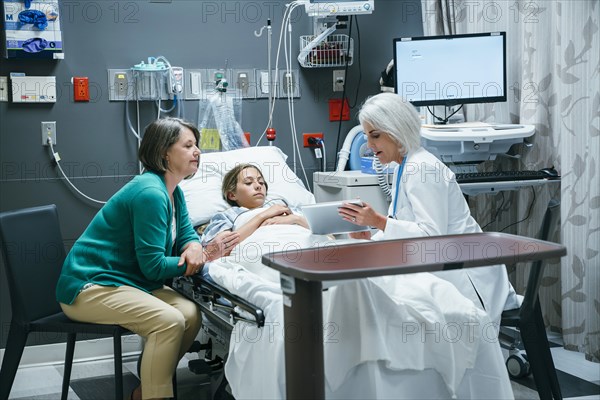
[499,176]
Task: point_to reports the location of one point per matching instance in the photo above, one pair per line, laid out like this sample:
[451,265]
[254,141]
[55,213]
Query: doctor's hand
[221,245]
[363,216]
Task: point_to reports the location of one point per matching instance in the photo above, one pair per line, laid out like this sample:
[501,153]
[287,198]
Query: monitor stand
[472,142]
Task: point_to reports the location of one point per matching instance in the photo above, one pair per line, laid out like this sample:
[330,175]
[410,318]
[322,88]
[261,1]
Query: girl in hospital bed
[245,189]
[426,200]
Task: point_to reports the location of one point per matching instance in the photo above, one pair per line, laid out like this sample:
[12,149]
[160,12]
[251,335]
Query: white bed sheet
[412,336]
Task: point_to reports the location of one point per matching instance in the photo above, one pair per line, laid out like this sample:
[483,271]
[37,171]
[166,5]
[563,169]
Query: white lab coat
[430,203]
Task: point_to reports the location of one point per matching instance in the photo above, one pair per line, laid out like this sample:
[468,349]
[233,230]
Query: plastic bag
[218,125]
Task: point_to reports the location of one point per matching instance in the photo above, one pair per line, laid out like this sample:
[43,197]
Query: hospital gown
[429,202]
[227,220]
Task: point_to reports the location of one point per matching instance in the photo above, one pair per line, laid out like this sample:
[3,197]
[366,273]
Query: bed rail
[218,302]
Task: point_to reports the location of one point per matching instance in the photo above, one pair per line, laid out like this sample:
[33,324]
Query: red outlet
[307,136]
[81,89]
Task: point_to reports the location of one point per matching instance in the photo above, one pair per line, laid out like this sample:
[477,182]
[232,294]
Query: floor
[579,379]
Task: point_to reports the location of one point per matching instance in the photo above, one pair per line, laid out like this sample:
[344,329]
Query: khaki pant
[168,321]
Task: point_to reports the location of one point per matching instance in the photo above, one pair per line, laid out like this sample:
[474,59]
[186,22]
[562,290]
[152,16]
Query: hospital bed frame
[218,303]
[221,310]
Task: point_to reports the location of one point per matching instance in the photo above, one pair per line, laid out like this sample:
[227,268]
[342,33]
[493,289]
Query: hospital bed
[243,314]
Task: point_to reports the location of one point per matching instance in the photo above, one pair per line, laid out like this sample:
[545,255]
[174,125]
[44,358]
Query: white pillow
[203,191]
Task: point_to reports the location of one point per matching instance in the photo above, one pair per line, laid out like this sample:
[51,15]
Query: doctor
[426,200]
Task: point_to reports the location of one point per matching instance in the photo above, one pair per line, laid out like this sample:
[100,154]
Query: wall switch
[3,88]
[48,131]
[339,79]
[81,88]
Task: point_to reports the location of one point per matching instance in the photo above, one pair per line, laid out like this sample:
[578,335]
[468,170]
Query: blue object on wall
[34,17]
[356,151]
[34,45]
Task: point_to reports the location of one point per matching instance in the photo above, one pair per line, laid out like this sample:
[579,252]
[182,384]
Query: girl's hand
[221,245]
[291,219]
[275,211]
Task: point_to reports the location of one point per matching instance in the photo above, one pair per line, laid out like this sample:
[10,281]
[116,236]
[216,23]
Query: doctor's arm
[428,201]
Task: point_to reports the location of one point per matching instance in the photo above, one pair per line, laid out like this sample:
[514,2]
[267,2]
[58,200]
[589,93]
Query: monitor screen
[451,70]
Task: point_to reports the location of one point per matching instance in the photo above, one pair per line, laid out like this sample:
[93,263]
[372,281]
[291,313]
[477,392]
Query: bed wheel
[518,365]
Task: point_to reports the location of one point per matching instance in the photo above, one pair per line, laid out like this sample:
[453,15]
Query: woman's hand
[362,215]
[193,258]
[221,245]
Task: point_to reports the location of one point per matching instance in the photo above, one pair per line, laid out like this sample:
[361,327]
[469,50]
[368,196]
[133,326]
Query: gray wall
[97,152]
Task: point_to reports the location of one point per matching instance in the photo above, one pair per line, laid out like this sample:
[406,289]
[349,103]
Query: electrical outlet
[339,79]
[307,136]
[120,85]
[81,88]
[3,88]
[48,131]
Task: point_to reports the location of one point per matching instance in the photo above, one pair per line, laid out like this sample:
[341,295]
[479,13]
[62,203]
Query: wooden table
[304,271]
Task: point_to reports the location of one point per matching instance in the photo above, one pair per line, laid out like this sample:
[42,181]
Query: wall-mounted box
[32,32]
[33,89]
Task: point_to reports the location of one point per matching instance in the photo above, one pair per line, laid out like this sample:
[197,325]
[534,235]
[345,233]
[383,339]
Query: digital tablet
[323,218]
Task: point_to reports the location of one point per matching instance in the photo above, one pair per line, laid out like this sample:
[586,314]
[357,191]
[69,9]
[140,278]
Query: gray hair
[390,113]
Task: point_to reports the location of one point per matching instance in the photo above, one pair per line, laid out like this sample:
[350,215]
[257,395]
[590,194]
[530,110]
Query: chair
[528,319]
[33,253]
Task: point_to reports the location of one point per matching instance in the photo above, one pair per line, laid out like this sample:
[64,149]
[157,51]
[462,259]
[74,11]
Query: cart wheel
[517,366]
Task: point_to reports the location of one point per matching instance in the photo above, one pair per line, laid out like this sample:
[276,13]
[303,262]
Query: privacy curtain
[553,83]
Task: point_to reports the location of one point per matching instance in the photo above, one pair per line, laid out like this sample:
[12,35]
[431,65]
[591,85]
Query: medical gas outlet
[175,80]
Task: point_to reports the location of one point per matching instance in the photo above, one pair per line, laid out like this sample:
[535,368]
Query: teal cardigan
[129,241]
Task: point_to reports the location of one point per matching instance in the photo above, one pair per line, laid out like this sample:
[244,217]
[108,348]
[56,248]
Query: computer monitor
[327,8]
[451,70]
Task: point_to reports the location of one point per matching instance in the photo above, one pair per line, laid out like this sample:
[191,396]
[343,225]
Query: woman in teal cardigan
[142,236]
